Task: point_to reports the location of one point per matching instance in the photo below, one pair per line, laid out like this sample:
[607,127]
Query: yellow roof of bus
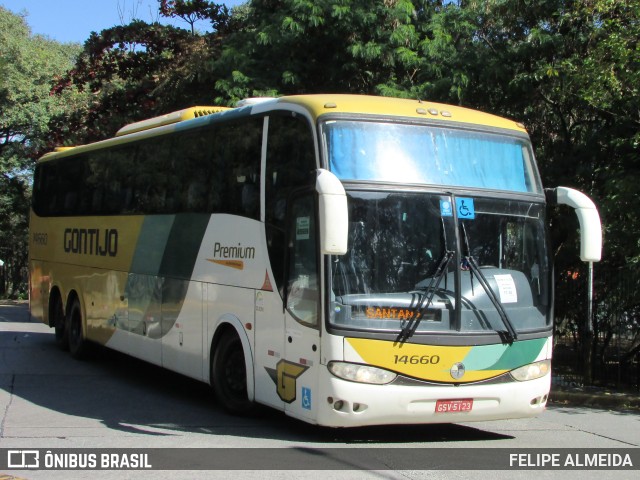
[319,105]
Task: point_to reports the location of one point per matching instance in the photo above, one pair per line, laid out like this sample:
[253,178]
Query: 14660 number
[417,359]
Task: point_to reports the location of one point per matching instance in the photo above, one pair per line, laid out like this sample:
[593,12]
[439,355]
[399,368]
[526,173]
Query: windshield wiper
[425,301]
[484,283]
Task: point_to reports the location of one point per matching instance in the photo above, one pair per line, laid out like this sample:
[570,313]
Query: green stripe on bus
[152,244]
[504,357]
[183,245]
[520,353]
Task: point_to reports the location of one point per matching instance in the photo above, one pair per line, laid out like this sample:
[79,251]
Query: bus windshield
[408,253]
[423,154]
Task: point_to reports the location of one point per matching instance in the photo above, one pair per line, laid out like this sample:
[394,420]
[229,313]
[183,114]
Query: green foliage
[28,67]
[14,225]
[132,72]
[299,46]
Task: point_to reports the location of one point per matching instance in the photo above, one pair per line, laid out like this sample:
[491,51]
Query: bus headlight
[361,373]
[532,371]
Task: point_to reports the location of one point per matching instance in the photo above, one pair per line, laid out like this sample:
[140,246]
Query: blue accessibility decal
[465,208]
[306,398]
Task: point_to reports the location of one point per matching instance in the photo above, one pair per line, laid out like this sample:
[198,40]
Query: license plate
[451,406]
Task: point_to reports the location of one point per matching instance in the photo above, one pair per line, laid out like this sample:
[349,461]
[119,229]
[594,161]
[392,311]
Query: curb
[607,400]
[12,303]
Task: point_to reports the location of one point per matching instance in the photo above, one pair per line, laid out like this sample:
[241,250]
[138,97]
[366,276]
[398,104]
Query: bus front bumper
[349,404]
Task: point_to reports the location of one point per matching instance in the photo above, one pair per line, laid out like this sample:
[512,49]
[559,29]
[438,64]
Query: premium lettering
[239,252]
[91,241]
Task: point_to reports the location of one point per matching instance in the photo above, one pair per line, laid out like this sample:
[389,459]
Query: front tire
[229,375]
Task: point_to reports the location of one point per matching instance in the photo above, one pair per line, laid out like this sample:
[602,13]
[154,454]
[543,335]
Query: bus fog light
[532,371]
[359,407]
[361,373]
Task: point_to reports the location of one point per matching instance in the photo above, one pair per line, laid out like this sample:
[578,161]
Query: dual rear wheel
[78,345]
[68,328]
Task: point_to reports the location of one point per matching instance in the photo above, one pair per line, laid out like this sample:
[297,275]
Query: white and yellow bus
[349,260]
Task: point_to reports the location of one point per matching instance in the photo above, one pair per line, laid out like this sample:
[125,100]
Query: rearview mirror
[590,227]
[333,213]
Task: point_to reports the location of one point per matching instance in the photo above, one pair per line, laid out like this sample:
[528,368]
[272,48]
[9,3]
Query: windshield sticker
[465,208]
[445,208]
[507,289]
[302,228]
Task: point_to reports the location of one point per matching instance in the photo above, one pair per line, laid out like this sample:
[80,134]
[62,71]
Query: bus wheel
[56,316]
[229,375]
[77,343]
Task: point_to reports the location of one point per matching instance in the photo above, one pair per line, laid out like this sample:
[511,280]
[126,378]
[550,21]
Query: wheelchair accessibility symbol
[465,208]
[306,398]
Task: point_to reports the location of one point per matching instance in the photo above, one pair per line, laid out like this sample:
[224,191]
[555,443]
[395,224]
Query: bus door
[299,377]
[287,316]
[288,337]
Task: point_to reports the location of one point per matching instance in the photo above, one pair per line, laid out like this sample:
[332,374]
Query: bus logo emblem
[457,370]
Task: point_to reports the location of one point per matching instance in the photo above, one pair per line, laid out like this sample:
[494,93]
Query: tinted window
[391,152]
[214,169]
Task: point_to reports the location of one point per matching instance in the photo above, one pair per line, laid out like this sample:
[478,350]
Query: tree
[193,10]
[131,72]
[303,46]
[28,66]
[140,70]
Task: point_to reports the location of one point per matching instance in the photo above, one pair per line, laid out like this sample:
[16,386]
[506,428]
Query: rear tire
[78,345]
[229,375]
[56,317]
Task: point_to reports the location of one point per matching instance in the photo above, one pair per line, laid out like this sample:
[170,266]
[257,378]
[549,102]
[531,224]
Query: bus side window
[237,167]
[192,164]
[303,292]
[155,178]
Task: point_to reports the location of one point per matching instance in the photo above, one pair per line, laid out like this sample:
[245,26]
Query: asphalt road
[112,401]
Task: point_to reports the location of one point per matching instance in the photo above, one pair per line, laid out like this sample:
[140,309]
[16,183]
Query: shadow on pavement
[129,395]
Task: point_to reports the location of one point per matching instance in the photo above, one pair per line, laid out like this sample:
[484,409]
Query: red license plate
[451,406]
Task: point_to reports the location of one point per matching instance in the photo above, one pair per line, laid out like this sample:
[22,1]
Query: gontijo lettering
[91,241]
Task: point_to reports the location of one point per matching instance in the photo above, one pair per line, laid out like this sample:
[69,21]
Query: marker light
[532,371]
[361,373]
